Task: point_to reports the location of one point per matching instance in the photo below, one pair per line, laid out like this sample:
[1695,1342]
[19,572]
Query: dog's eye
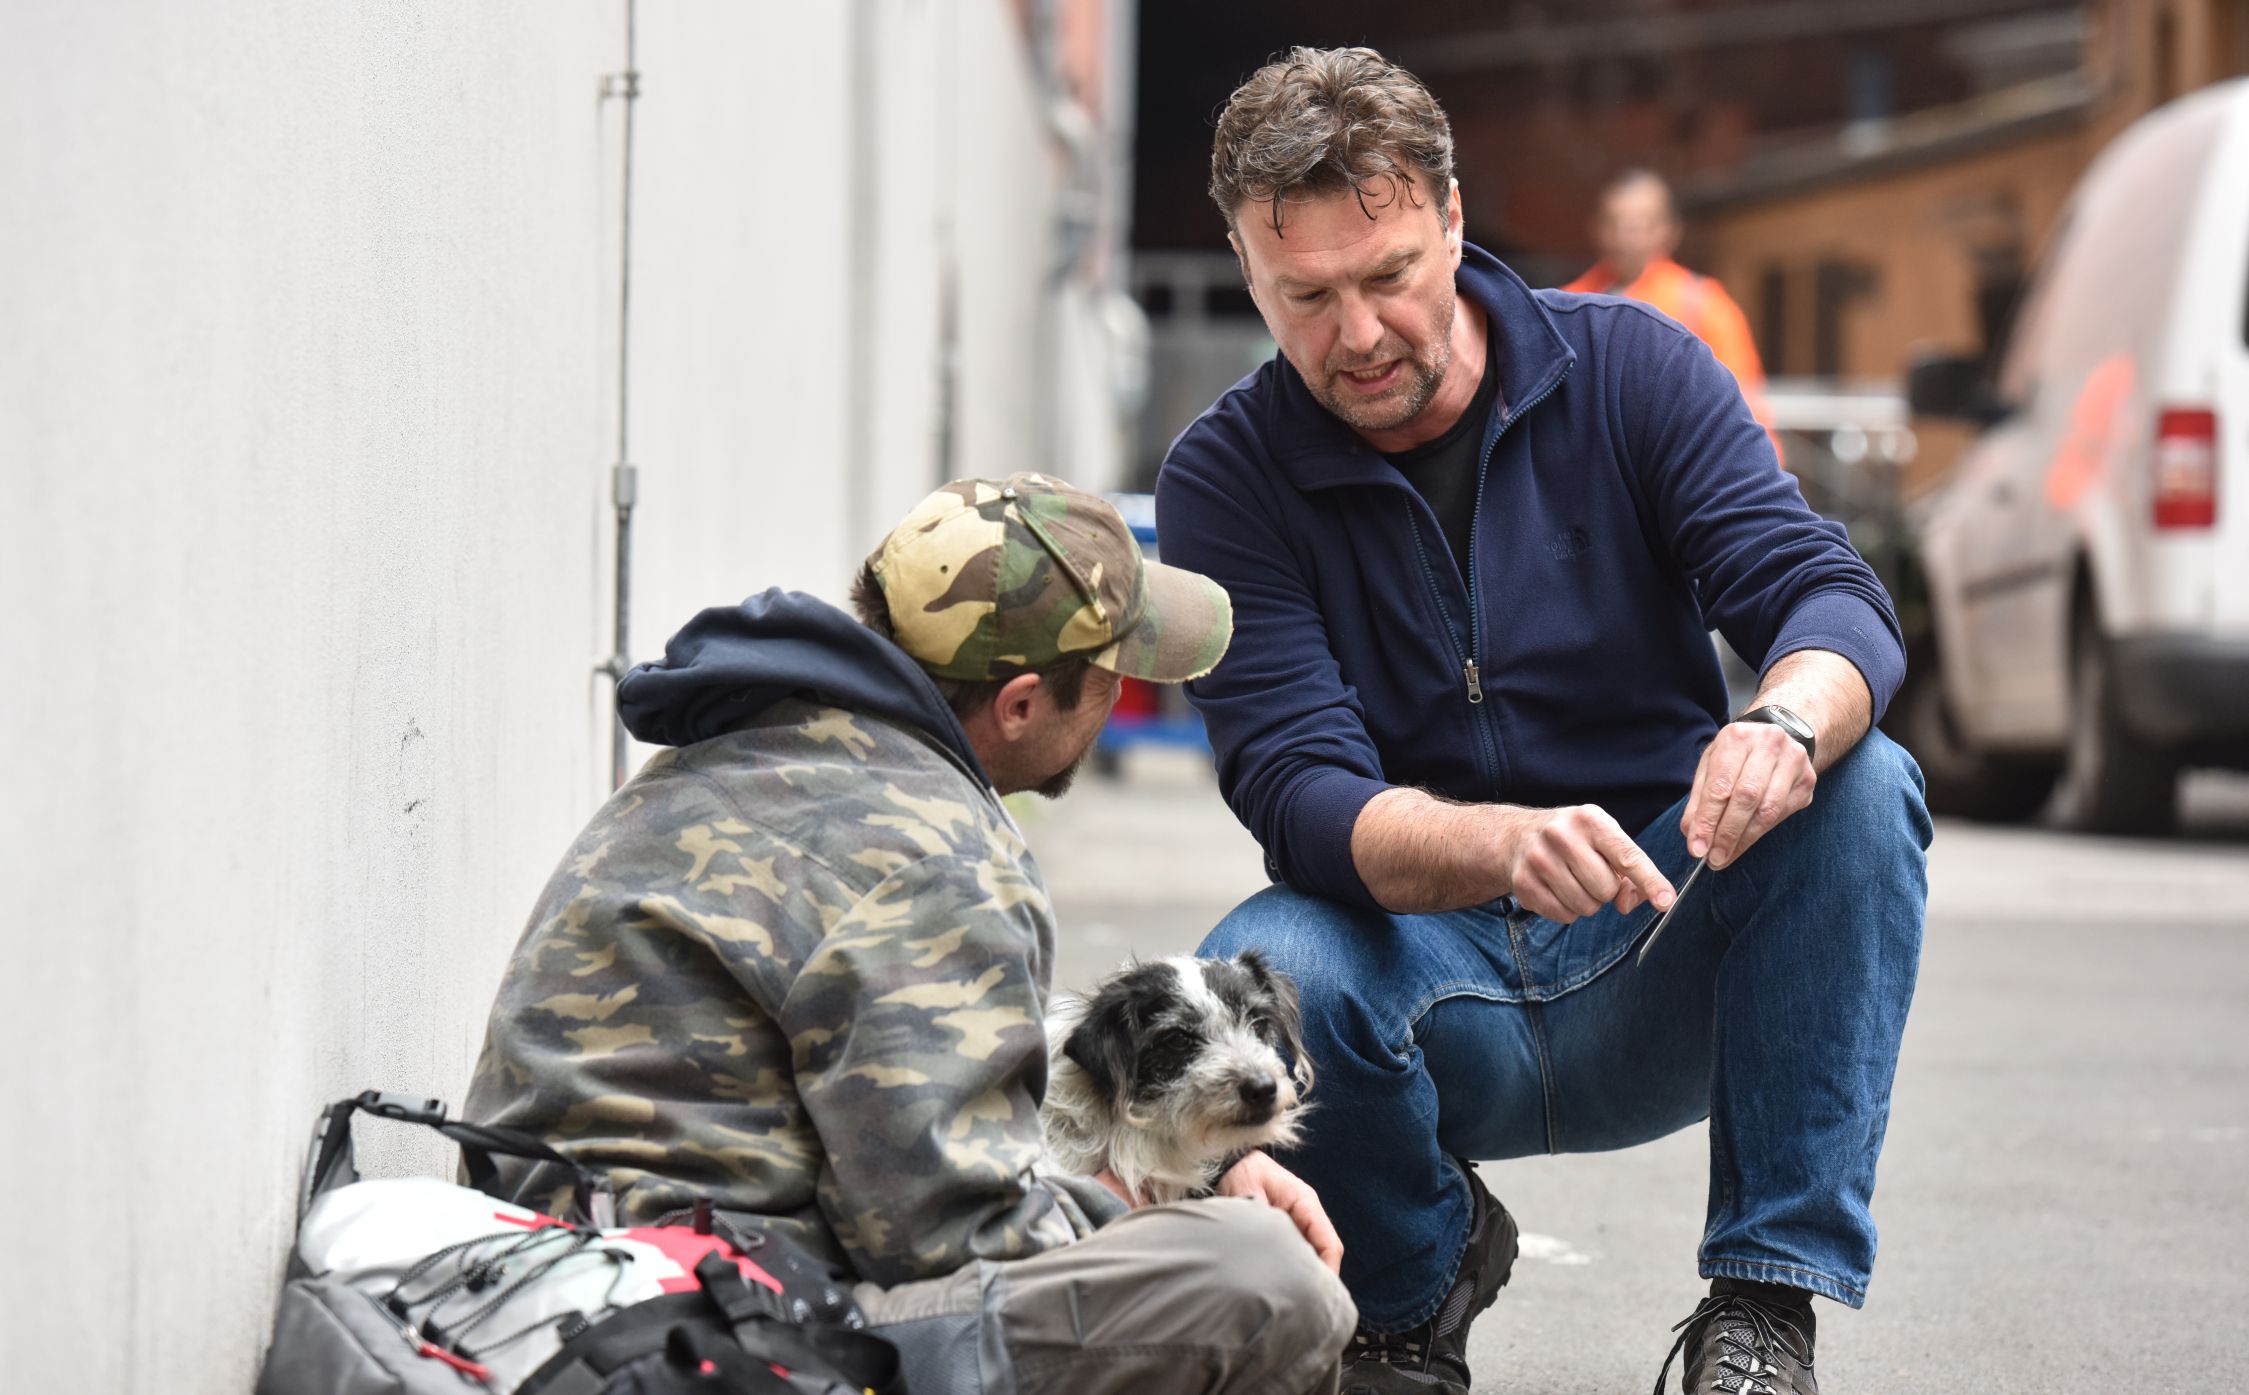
[1166,1052]
[1168,1048]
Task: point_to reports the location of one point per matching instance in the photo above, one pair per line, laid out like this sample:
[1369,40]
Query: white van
[2087,566]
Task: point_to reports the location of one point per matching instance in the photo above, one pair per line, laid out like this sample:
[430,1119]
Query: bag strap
[698,1351]
[866,1361]
[750,1319]
[738,1300]
[330,1162]
[480,1141]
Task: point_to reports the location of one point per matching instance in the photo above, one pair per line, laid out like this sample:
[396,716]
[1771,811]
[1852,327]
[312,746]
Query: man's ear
[1456,224]
[1241,259]
[1015,706]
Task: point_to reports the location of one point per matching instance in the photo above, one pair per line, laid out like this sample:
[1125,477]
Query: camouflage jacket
[800,968]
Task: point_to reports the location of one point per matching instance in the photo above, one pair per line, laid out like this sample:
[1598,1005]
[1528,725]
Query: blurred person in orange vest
[1637,229]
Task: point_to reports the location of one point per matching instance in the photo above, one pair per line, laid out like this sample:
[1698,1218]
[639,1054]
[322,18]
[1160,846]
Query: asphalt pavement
[2064,1199]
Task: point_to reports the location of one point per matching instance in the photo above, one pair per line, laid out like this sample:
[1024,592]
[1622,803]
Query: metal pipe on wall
[945,417]
[624,480]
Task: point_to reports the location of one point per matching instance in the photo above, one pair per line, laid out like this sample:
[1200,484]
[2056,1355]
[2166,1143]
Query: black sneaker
[1432,1359]
[1740,1345]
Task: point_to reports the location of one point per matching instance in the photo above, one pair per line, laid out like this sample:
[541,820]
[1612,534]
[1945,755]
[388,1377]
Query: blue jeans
[1773,1005]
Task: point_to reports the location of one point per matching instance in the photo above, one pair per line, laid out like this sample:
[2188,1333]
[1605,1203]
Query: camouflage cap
[988,577]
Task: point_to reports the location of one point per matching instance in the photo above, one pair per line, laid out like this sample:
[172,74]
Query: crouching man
[799,965]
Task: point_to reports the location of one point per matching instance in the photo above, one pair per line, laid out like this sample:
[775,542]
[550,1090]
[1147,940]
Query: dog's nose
[1258,1093]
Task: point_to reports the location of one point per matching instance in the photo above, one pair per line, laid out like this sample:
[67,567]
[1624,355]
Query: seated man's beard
[1058,784]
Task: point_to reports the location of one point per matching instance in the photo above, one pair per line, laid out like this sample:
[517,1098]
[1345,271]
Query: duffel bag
[414,1286]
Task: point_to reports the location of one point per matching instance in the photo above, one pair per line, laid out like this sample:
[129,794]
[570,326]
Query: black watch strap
[1787,721]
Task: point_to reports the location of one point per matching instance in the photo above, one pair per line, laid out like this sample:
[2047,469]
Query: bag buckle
[408,1109]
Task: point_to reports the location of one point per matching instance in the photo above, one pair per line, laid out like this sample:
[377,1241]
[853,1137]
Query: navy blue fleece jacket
[1629,505]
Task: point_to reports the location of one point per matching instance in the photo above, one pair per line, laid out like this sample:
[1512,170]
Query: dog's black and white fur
[1173,1068]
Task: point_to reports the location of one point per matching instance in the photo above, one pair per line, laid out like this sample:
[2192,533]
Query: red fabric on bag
[685,1248]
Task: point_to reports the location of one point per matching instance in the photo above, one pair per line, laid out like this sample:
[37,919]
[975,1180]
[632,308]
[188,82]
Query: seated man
[1476,537]
[799,965]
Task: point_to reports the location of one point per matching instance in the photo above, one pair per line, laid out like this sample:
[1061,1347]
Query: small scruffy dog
[1171,1069]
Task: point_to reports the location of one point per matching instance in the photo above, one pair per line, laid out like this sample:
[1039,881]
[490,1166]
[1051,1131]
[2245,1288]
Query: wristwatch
[1787,721]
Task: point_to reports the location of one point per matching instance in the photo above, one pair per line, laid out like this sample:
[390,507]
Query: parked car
[2087,564]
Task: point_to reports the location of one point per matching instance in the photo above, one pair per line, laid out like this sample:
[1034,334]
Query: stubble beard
[1058,784]
[1402,403]
[1055,784]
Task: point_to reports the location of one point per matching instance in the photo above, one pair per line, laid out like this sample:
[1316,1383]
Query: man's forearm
[1826,690]
[1418,853]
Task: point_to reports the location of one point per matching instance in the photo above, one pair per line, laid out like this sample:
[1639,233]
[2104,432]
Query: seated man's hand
[1567,863]
[1260,1178]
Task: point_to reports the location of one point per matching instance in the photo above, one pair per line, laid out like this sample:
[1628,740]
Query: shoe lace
[1408,1350]
[1749,1329]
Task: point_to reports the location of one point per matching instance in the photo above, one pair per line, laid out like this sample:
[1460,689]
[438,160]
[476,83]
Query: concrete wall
[307,374]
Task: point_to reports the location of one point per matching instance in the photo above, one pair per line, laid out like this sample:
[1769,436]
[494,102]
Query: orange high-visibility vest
[1702,305]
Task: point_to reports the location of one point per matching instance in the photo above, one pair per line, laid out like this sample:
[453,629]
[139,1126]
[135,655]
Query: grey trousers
[1194,1298]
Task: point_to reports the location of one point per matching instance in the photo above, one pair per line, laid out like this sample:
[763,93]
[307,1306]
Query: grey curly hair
[1323,120]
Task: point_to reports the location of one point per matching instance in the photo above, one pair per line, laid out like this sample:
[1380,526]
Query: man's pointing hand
[1566,863]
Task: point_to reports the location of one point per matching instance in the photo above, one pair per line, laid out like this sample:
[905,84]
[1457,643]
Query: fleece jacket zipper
[1471,669]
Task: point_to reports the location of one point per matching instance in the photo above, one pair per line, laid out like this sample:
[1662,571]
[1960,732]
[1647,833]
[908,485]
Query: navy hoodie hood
[730,663]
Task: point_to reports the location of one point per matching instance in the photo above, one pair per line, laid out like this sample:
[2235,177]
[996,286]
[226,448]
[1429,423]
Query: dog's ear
[1288,1010]
[1260,969]
[1104,1046]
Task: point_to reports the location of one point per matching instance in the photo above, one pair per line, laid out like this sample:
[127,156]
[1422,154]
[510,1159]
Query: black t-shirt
[1443,471]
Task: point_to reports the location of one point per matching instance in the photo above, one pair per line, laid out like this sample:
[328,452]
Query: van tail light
[2186,468]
